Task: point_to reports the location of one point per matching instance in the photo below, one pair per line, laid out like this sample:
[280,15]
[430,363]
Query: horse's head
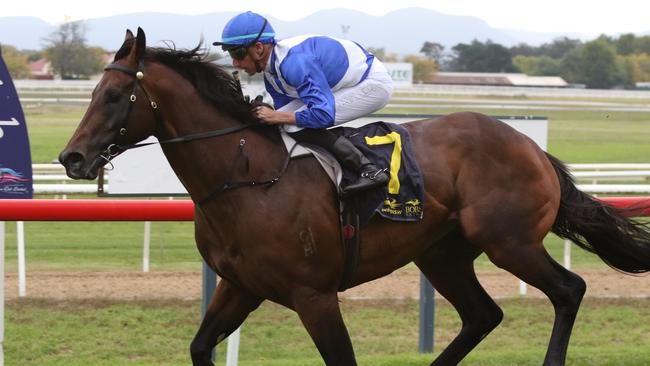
[121,112]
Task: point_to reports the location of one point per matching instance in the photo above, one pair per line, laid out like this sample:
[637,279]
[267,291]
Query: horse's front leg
[321,316]
[229,307]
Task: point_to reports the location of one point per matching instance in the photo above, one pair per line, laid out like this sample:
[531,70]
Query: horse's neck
[205,165]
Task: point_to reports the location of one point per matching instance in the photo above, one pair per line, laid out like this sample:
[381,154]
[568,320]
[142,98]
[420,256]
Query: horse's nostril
[68,159]
[73,163]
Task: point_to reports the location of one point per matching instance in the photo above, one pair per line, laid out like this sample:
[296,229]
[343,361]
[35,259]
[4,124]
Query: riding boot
[369,175]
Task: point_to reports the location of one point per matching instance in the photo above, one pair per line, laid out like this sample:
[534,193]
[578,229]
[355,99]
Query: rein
[114,150]
[228,185]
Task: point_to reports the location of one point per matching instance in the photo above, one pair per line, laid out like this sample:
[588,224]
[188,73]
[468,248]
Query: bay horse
[488,189]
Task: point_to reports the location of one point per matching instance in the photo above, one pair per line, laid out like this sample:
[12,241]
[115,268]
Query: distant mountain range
[402,31]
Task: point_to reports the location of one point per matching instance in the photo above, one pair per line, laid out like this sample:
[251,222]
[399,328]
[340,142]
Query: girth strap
[351,243]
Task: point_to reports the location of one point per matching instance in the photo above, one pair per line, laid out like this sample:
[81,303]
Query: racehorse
[270,227]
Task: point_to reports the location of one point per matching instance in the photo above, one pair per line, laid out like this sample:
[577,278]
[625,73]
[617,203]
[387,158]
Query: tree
[624,75]
[16,62]
[547,66]
[625,44]
[595,65]
[538,66]
[559,47]
[525,64]
[482,57]
[70,57]
[599,64]
[524,49]
[640,66]
[433,51]
[642,45]
[571,66]
[424,69]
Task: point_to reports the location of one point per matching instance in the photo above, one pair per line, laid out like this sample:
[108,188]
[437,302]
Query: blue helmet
[245,29]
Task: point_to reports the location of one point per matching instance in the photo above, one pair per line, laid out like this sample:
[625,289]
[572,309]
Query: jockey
[316,82]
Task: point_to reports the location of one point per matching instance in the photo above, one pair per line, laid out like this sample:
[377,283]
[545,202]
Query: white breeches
[358,101]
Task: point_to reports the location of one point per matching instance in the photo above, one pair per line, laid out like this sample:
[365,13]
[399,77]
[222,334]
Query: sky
[588,17]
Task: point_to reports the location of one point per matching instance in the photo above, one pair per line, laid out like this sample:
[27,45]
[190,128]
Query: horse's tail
[621,242]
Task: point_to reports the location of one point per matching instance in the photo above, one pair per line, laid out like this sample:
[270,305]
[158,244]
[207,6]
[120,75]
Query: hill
[401,31]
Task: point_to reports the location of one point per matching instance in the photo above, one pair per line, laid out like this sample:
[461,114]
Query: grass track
[608,332]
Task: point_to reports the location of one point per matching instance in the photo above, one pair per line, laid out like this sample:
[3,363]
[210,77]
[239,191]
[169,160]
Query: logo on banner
[13,182]
[15,157]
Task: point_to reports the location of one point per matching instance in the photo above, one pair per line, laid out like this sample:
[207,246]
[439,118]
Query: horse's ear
[129,35]
[140,44]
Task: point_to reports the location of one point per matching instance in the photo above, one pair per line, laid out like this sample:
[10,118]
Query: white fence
[89,85]
[424,89]
[64,185]
[626,176]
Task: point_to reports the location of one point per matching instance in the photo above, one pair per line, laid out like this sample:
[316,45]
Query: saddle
[387,145]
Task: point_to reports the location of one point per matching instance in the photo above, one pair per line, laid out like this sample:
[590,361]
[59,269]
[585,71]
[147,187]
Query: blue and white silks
[325,80]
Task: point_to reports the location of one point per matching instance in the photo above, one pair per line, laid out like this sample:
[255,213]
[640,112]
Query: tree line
[605,62]
[67,50]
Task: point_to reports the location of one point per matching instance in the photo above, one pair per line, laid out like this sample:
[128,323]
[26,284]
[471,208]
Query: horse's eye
[112,95]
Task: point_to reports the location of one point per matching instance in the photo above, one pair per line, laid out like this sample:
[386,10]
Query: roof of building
[38,65]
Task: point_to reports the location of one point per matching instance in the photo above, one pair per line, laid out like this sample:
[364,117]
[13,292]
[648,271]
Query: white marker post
[232,355]
[146,246]
[20,235]
[567,254]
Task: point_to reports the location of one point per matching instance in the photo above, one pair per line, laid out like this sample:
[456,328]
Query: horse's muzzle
[76,166]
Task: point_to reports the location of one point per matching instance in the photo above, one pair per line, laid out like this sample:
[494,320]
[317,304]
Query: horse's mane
[211,81]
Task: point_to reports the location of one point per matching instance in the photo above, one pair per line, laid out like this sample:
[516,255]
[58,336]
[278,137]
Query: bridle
[116,149]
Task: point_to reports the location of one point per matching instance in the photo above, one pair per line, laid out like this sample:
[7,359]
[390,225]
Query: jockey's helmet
[244,30]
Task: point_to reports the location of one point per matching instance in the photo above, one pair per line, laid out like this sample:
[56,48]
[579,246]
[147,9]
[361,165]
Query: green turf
[50,128]
[608,332]
[103,246]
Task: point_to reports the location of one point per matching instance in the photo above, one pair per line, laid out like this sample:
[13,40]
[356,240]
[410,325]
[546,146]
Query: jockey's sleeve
[303,73]
[279,100]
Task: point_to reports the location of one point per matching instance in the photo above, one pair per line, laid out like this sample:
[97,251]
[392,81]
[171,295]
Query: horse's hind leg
[229,307]
[321,316]
[449,267]
[532,264]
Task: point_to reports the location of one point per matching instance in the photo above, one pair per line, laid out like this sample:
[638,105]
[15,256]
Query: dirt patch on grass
[187,285]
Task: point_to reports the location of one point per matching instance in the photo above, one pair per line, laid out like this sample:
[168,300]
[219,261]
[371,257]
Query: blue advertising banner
[15,156]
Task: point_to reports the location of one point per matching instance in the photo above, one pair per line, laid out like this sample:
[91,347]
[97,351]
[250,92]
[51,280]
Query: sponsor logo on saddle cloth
[388,145]
[411,208]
